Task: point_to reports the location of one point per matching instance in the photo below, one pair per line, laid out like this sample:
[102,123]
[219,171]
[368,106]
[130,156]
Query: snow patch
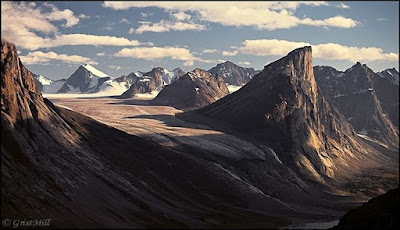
[233,88]
[95,71]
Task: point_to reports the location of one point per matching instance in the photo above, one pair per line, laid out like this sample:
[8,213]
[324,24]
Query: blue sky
[54,38]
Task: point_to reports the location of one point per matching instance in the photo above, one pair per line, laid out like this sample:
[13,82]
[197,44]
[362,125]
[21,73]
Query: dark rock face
[233,74]
[386,87]
[283,107]
[193,90]
[381,212]
[353,93]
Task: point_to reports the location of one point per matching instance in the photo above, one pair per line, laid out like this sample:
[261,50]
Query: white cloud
[165,26]
[381,19]
[343,6]
[209,51]
[21,22]
[188,63]
[38,57]
[83,16]
[152,53]
[181,16]
[115,67]
[261,15]
[131,31]
[227,53]
[88,39]
[337,21]
[67,15]
[244,63]
[100,54]
[331,51]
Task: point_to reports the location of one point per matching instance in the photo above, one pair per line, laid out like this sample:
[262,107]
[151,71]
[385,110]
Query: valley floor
[135,116]
[159,123]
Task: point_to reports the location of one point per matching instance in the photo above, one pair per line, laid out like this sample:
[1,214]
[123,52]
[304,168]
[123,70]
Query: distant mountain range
[152,81]
[195,89]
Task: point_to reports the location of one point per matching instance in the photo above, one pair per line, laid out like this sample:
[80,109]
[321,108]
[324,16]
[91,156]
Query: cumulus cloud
[227,53]
[21,22]
[100,54]
[209,51]
[38,57]
[181,16]
[152,53]
[67,15]
[261,15]
[332,51]
[165,26]
[337,21]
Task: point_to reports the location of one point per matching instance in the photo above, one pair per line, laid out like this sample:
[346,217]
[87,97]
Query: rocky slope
[283,108]
[61,165]
[353,93]
[381,212]
[152,81]
[193,90]
[232,73]
[386,87]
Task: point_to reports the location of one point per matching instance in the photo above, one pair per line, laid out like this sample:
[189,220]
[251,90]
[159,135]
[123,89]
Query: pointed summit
[195,89]
[282,108]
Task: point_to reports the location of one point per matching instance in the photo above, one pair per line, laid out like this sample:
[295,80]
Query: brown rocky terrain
[283,108]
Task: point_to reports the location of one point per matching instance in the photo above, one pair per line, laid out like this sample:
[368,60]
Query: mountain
[381,212]
[386,87]
[353,93]
[152,81]
[232,73]
[283,108]
[192,90]
[86,79]
[81,173]
[41,81]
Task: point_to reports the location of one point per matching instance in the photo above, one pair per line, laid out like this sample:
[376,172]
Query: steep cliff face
[283,107]
[386,87]
[193,90]
[353,93]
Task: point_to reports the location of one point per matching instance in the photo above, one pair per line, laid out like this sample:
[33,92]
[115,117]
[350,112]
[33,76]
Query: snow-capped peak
[43,80]
[94,71]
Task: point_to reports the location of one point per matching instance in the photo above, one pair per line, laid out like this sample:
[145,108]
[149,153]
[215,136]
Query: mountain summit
[283,108]
[195,89]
